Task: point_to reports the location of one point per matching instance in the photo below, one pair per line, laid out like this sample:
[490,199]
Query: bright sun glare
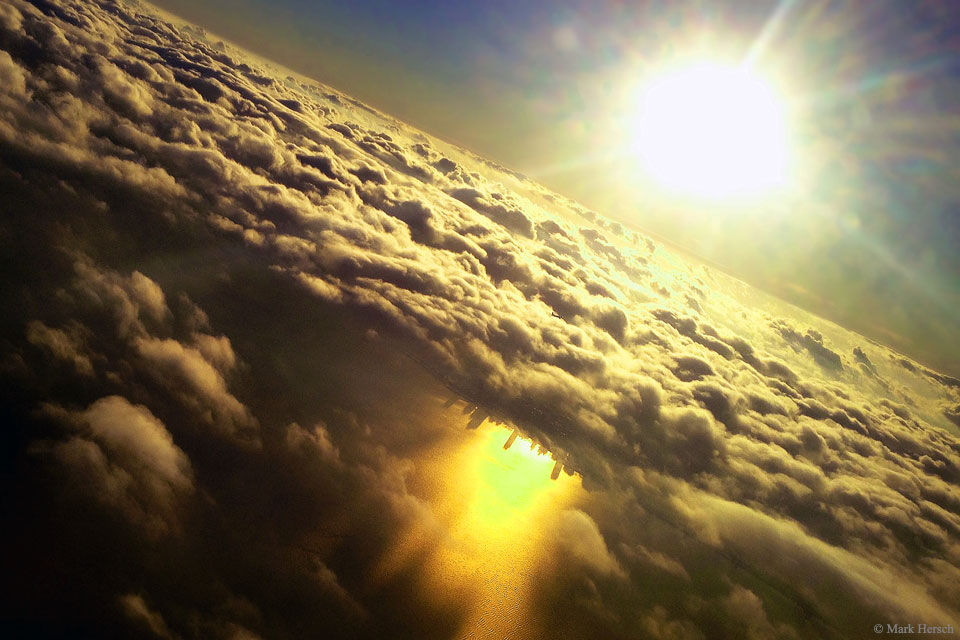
[713,131]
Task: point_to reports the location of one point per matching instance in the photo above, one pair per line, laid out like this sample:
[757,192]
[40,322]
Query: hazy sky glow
[869,235]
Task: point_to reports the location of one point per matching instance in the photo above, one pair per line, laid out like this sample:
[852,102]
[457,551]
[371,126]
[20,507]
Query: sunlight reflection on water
[498,508]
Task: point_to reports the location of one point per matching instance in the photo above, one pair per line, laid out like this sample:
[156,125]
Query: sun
[714,131]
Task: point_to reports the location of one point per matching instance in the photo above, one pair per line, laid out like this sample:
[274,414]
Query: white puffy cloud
[578,535]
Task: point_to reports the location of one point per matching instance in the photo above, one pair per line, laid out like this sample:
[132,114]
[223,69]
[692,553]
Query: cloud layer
[240,303]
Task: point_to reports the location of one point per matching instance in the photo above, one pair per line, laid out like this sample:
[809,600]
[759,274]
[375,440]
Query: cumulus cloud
[238,301]
[579,537]
[124,458]
[134,607]
[62,344]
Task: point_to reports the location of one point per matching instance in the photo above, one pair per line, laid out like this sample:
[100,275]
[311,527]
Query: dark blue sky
[874,241]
